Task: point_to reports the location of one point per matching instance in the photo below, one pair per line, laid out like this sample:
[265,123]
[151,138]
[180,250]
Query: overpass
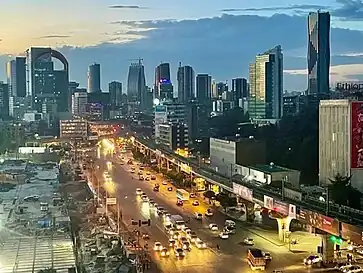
[261,195]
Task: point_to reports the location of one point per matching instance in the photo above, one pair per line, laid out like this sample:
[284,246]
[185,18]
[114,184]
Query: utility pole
[327,200]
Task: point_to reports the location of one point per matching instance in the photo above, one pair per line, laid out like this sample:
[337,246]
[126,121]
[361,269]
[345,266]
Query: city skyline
[140,21]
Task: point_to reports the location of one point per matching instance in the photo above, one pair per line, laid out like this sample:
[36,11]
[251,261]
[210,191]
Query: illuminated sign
[242,191]
[349,86]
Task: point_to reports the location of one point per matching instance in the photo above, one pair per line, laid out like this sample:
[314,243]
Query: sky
[114,32]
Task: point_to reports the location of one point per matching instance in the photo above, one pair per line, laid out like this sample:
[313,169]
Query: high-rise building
[204,88]
[340,141]
[16,77]
[174,135]
[318,52]
[4,101]
[266,85]
[79,104]
[136,85]
[45,82]
[239,90]
[94,78]
[221,87]
[115,90]
[163,87]
[185,78]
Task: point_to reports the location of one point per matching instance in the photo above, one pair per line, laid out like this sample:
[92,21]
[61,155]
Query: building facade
[174,135]
[203,89]
[79,104]
[186,84]
[94,78]
[266,85]
[4,101]
[239,91]
[136,86]
[16,77]
[318,52]
[115,90]
[73,129]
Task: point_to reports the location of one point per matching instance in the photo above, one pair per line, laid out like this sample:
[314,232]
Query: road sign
[111,201]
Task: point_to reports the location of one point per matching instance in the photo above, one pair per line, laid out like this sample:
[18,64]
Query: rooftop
[269,168]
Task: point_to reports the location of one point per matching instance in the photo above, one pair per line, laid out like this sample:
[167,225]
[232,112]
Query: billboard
[281,207]
[292,211]
[319,221]
[349,86]
[243,191]
[357,135]
[268,202]
[353,233]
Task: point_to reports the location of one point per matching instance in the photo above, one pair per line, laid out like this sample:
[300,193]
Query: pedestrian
[217,247]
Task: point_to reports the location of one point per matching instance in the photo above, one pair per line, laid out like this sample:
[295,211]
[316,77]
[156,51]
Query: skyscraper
[47,83]
[163,87]
[266,85]
[115,90]
[94,78]
[4,101]
[318,52]
[185,78]
[79,104]
[136,85]
[239,90]
[204,88]
[16,77]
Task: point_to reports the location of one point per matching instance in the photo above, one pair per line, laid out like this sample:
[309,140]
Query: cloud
[126,7]
[349,10]
[54,36]
[279,8]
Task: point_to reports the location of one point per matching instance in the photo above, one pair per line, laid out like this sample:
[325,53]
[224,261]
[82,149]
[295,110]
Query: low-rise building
[174,135]
[73,129]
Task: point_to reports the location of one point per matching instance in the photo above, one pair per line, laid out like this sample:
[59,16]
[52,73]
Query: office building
[220,106]
[4,101]
[170,112]
[45,81]
[292,104]
[94,111]
[94,78]
[115,90]
[239,91]
[185,78]
[266,85]
[318,52]
[225,154]
[340,141]
[16,77]
[203,89]
[18,106]
[79,104]
[73,129]
[197,116]
[163,86]
[136,86]
[174,135]
[221,87]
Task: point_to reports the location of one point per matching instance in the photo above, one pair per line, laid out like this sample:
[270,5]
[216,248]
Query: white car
[353,269]
[213,227]
[165,183]
[158,246]
[200,244]
[138,191]
[167,216]
[312,259]
[198,216]
[223,235]
[209,213]
[249,241]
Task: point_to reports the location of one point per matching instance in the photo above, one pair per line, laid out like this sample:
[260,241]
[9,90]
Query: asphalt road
[231,258]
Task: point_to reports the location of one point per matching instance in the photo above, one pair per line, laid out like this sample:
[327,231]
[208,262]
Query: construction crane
[138,59]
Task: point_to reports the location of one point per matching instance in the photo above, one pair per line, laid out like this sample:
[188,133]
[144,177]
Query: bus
[182,194]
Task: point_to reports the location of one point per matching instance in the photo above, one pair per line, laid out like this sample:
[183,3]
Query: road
[232,255]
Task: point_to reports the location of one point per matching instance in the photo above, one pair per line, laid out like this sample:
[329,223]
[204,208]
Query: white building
[168,113]
[341,141]
[79,103]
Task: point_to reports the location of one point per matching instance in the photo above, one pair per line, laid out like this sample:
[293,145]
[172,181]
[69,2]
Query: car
[229,230]
[200,244]
[183,239]
[195,203]
[160,209]
[158,246]
[153,177]
[165,182]
[230,223]
[164,252]
[138,191]
[176,235]
[223,235]
[132,171]
[139,172]
[179,203]
[312,259]
[187,246]
[167,216]
[209,213]
[141,178]
[157,185]
[193,237]
[172,231]
[198,216]
[248,241]
[353,269]
[147,178]
[172,242]
[341,266]
[186,229]
[179,253]
[156,189]
[213,227]
[192,195]
[170,188]
[151,202]
[147,173]
[168,226]
[267,256]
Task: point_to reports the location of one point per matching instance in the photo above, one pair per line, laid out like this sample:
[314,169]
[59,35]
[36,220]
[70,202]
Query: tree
[209,194]
[226,201]
[342,192]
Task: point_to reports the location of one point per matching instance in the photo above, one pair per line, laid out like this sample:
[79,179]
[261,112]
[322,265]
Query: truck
[256,259]
[177,221]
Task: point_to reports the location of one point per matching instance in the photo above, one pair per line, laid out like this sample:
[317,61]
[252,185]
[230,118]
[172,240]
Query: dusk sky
[97,24]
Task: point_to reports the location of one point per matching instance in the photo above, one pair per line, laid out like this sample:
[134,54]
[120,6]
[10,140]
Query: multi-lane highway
[232,254]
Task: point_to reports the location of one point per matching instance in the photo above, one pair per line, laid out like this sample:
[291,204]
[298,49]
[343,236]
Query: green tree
[342,192]
[226,201]
[209,194]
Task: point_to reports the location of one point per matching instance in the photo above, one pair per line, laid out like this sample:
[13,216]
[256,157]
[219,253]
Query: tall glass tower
[136,85]
[318,52]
